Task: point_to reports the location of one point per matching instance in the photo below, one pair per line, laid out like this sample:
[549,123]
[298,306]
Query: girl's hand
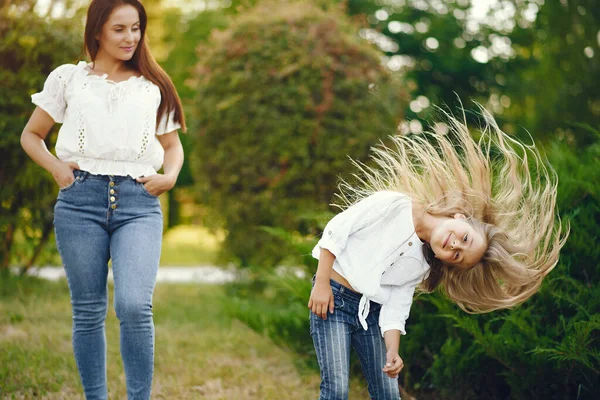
[321,299]
[63,173]
[157,184]
[393,365]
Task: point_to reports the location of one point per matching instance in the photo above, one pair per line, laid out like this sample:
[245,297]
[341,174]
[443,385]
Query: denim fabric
[98,218]
[334,337]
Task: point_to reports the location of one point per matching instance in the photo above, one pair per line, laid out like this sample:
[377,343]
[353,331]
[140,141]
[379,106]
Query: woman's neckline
[104,77]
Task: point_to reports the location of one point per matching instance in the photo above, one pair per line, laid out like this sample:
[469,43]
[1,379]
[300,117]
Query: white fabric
[108,128]
[378,252]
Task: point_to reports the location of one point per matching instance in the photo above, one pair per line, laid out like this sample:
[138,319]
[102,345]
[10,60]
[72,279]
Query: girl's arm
[394,363]
[32,141]
[321,297]
[173,161]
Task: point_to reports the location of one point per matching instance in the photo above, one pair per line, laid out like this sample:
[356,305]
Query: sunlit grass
[201,352]
[190,245]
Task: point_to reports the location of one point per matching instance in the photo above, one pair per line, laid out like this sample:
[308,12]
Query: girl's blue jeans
[334,337]
[98,218]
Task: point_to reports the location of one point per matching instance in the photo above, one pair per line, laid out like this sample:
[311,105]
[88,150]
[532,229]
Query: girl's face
[121,33]
[457,243]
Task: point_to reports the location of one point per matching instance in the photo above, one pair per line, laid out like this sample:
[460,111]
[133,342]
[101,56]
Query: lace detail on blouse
[145,139]
[147,127]
[80,132]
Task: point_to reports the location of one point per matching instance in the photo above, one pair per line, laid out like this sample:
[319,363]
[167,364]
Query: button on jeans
[98,218]
[334,337]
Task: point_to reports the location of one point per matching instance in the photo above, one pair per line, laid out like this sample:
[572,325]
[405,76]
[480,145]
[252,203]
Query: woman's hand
[62,172]
[321,299]
[157,184]
[393,365]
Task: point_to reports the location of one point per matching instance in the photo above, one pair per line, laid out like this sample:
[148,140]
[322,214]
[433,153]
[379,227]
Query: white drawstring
[363,311]
[116,92]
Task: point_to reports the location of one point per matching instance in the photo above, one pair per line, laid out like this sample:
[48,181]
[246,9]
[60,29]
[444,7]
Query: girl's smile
[453,240]
[456,242]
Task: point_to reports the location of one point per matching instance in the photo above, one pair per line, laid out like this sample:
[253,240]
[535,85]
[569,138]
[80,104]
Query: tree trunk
[7,246]
[38,249]
[9,237]
[173,217]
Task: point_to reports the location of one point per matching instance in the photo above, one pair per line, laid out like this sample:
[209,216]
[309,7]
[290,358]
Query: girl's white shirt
[378,252]
[109,128]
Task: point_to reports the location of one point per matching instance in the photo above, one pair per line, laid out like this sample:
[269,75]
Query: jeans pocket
[338,301]
[146,192]
[79,178]
[68,187]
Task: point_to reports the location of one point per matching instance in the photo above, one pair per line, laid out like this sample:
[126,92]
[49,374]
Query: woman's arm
[173,155]
[32,141]
[321,297]
[173,161]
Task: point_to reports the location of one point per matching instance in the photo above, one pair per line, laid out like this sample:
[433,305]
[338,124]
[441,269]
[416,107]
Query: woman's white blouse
[377,250]
[108,128]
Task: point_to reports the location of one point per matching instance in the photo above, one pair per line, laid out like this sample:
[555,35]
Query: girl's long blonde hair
[504,187]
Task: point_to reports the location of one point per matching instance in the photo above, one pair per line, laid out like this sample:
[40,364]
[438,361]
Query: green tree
[284,95]
[30,47]
[552,81]
[534,62]
[432,44]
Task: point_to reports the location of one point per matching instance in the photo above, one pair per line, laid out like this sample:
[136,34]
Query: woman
[438,211]
[120,116]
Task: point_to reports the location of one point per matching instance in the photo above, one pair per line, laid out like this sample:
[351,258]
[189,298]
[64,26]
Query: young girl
[439,211]
[120,116]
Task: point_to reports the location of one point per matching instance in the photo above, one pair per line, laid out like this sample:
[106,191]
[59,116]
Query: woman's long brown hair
[98,13]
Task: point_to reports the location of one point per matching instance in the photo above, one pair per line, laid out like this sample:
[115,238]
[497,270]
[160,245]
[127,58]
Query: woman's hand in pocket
[157,184]
[63,173]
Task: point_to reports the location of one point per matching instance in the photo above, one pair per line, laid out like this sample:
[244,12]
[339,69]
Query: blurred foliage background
[279,93]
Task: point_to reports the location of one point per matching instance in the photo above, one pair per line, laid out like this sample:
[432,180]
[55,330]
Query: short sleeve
[366,211]
[52,98]
[167,123]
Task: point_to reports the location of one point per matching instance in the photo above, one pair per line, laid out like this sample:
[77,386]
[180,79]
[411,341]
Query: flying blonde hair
[504,187]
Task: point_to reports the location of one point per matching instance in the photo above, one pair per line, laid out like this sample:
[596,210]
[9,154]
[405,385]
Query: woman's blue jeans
[98,218]
[334,337]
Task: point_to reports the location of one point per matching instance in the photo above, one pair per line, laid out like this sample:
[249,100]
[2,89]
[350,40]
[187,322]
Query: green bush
[274,301]
[30,47]
[284,95]
[275,304]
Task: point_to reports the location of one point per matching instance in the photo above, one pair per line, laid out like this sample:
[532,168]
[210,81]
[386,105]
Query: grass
[190,245]
[201,352]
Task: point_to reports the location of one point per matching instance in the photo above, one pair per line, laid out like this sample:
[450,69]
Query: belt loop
[80,175]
